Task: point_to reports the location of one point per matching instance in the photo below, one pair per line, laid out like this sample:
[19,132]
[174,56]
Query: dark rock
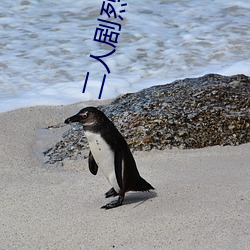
[190,113]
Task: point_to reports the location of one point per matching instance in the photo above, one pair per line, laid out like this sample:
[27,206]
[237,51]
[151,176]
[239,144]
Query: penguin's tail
[141,185]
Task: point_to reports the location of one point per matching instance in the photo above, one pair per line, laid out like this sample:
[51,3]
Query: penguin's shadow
[137,198]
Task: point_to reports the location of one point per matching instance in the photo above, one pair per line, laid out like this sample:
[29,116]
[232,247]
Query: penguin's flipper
[111,193]
[115,203]
[118,166]
[93,167]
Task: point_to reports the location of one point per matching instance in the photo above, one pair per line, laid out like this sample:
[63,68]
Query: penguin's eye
[84,115]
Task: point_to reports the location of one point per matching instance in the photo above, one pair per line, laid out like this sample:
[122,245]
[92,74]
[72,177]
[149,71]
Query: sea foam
[46,46]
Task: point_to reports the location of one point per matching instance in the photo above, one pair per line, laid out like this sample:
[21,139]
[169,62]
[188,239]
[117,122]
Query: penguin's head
[88,117]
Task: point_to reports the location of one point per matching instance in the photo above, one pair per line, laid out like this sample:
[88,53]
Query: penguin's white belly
[104,157]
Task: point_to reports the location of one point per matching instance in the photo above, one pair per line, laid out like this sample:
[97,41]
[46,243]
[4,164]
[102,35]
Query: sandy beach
[201,198]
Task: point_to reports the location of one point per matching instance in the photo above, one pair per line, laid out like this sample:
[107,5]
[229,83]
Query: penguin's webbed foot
[111,193]
[113,204]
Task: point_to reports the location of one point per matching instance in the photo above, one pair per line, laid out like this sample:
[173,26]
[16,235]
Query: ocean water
[45,47]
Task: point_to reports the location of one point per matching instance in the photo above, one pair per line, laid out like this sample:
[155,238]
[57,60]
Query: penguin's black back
[132,180]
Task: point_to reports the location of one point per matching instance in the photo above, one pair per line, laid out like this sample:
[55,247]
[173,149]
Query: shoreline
[201,198]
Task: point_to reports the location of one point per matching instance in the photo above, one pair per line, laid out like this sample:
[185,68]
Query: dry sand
[201,201]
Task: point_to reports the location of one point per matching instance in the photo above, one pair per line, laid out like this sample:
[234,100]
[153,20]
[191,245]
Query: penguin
[110,152]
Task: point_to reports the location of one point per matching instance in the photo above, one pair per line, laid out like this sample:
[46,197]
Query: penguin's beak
[74,118]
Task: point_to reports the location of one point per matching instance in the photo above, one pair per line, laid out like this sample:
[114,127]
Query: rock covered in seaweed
[190,113]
